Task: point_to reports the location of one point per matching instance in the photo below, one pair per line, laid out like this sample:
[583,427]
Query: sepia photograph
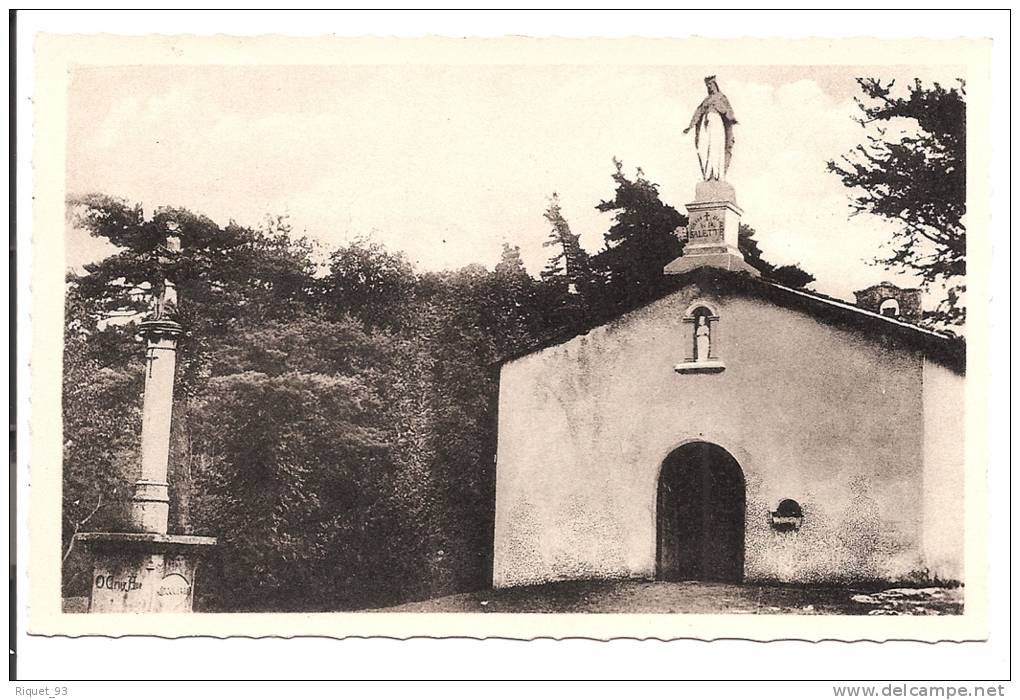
[510,337]
[516,372]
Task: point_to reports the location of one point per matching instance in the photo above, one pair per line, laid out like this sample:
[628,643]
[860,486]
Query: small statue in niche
[702,339]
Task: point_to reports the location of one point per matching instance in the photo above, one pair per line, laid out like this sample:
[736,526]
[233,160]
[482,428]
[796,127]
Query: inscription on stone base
[138,582]
[174,594]
[706,227]
[143,573]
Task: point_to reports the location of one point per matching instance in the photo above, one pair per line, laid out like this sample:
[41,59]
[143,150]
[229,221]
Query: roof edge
[946,349]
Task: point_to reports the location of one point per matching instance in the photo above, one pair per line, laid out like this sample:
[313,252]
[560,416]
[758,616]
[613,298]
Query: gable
[885,333]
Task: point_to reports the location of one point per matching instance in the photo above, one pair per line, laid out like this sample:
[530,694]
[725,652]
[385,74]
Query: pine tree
[642,239]
[571,264]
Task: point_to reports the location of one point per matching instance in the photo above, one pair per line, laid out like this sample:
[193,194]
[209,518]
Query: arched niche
[702,339]
[890,307]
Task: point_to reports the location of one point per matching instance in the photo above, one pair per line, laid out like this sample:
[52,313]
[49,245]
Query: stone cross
[150,504]
[146,569]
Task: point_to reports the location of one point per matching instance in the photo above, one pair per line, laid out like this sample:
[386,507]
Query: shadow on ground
[696,597]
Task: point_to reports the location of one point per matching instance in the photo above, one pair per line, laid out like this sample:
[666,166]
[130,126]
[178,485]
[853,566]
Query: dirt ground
[696,597]
[683,597]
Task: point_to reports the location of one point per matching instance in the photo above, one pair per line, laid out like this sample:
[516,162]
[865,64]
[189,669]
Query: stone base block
[724,260]
[714,191]
[142,572]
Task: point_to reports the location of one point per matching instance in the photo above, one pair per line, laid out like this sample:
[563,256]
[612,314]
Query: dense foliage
[334,424]
[912,170]
[641,241]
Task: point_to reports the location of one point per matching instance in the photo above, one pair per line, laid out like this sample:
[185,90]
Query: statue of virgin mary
[713,122]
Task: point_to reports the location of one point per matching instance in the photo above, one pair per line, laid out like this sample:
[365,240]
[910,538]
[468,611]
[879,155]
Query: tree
[641,241]
[570,263]
[517,301]
[568,274]
[786,275]
[370,283]
[468,320]
[226,276]
[912,171]
[101,413]
[510,265]
[229,278]
[289,462]
[339,431]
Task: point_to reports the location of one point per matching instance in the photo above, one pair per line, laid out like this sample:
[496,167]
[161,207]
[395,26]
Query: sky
[447,162]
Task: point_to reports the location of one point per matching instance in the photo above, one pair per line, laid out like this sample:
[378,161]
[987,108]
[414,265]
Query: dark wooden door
[700,516]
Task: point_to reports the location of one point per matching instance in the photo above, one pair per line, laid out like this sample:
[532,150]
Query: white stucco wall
[825,416]
[944,450]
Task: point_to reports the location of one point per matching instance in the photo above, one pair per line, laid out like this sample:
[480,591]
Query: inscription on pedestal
[706,227]
[111,583]
[143,572]
[121,583]
[173,594]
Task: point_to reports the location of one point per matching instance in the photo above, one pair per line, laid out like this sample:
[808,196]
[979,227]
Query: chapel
[733,429]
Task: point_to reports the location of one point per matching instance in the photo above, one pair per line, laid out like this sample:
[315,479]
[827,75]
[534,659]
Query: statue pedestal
[143,572]
[711,231]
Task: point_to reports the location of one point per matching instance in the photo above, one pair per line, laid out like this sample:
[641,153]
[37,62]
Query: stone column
[150,504]
[148,570]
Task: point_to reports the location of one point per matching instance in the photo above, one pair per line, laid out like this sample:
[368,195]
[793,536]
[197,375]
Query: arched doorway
[700,515]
